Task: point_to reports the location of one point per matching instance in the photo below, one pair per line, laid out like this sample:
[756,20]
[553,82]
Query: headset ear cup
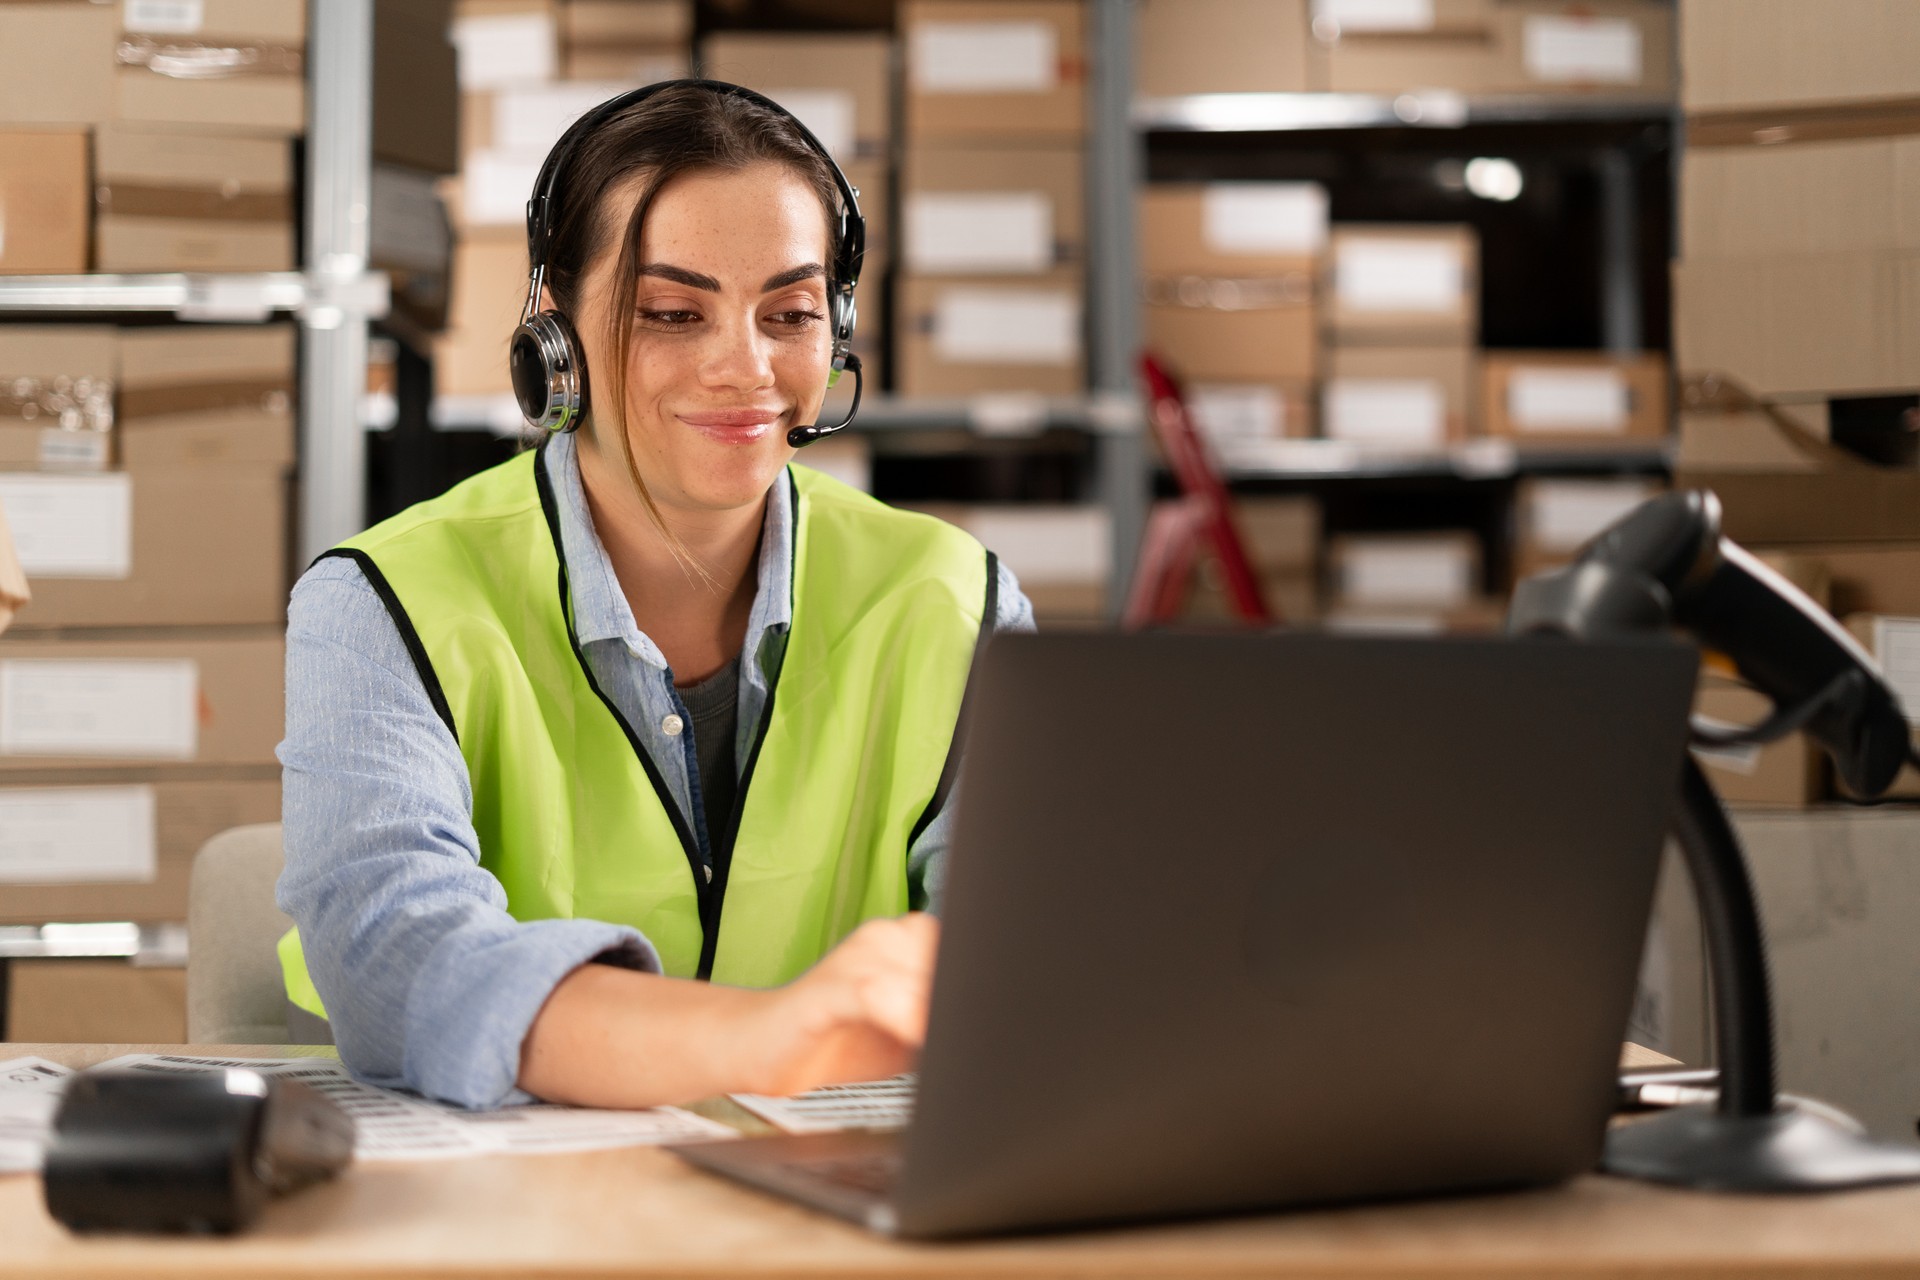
[549,376]
[843,314]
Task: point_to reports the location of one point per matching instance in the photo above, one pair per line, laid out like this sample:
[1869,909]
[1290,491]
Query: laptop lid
[1241,921]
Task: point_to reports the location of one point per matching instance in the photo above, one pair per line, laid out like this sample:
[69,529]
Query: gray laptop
[1235,922]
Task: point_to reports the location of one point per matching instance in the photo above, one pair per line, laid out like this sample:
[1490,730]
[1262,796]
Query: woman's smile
[733,426]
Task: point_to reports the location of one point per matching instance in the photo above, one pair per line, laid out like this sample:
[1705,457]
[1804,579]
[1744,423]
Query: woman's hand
[610,1037]
[860,1014]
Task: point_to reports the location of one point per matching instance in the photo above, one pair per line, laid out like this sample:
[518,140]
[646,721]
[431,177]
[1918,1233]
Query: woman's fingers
[861,1013]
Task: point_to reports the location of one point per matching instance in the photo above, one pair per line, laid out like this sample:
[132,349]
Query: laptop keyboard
[875,1174]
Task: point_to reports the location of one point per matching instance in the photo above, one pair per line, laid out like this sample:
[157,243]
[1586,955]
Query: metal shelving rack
[333,300]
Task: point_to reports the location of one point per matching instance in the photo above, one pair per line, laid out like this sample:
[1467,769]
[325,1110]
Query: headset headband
[852,239]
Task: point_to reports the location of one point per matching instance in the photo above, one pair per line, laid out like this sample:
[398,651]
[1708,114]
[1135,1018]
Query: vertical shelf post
[333,325]
[1115,165]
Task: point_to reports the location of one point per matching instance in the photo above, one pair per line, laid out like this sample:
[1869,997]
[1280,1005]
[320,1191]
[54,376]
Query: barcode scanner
[144,1149]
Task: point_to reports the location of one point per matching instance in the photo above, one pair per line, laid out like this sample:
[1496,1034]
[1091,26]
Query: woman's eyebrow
[792,275]
[680,275]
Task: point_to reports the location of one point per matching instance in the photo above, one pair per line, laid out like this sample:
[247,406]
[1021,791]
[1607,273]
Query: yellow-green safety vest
[852,755]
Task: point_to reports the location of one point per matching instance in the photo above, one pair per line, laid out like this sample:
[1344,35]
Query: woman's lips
[733,426]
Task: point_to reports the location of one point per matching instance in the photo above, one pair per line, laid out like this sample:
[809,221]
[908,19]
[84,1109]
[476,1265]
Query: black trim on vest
[951,769]
[711,906]
[688,845]
[402,623]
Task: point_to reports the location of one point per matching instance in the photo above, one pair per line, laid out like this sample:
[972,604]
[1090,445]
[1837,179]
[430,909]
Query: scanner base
[1793,1149]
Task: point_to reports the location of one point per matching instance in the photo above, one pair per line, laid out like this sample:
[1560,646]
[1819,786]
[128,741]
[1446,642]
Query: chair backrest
[234,991]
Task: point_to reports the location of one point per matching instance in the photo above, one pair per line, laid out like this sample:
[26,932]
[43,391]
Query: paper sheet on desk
[399,1126]
[29,1094]
[870,1104]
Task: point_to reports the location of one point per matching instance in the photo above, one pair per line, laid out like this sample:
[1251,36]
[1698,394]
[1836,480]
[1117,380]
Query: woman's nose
[737,356]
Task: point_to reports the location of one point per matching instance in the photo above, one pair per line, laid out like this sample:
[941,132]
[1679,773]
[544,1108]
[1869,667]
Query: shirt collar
[600,609]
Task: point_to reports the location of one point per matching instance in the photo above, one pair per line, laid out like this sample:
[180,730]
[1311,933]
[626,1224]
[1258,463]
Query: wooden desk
[639,1212]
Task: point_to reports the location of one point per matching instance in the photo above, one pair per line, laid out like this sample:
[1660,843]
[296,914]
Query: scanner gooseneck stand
[1665,565]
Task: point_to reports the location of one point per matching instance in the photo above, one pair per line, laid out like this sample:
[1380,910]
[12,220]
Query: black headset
[544,359]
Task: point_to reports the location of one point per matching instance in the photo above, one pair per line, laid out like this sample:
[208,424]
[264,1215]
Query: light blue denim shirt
[429,984]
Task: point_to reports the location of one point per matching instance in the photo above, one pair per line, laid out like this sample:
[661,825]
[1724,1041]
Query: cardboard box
[1344,19]
[1894,643]
[1460,61]
[1281,535]
[1232,228]
[626,22]
[1398,285]
[1434,571]
[976,210]
[1803,195]
[118,844]
[1421,397]
[205,396]
[631,64]
[57,397]
[839,85]
[96,1002]
[56,62]
[175,546]
[488,291]
[168,697]
[1864,578]
[963,336]
[416,87]
[1234,330]
[1554,519]
[1555,399]
[994,69]
[1229,412]
[1185,47]
[46,199]
[1788,773]
[1752,55]
[234,65]
[1616,47]
[174,201]
[1802,323]
[1812,491]
[498,43]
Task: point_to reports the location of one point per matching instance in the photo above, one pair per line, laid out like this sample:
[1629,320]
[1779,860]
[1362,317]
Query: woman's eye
[796,319]
[668,317]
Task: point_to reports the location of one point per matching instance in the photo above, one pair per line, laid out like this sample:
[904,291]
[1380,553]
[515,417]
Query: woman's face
[731,343]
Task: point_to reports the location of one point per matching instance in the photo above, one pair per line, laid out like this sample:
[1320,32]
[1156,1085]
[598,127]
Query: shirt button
[672,726]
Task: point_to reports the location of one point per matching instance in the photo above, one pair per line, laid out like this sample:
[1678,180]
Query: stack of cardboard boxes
[528,69]
[145,472]
[1797,316]
[1509,47]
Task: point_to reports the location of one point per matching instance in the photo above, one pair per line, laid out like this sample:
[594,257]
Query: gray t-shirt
[714,704]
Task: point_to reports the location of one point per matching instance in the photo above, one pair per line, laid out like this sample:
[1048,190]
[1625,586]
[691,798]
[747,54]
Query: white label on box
[992,231]
[532,117]
[1350,17]
[497,50]
[1896,647]
[1007,326]
[495,185]
[829,113]
[1399,275]
[984,57]
[70,526]
[163,17]
[1550,400]
[1229,411]
[1406,411]
[73,450]
[1047,544]
[1581,50]
[63,835]
[1264,217]
[1564,515]
[1392,571]
[145,708]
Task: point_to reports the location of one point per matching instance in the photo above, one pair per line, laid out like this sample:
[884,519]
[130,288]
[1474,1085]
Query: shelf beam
[1427,109]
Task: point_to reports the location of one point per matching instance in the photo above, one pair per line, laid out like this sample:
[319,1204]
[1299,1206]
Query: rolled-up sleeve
[429,983]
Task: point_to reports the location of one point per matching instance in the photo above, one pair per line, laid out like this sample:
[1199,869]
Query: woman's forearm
[611,1037]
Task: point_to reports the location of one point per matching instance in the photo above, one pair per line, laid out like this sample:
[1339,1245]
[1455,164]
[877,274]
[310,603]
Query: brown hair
[685,129]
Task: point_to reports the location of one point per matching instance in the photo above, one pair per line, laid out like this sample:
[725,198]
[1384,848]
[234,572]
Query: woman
[647,705]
